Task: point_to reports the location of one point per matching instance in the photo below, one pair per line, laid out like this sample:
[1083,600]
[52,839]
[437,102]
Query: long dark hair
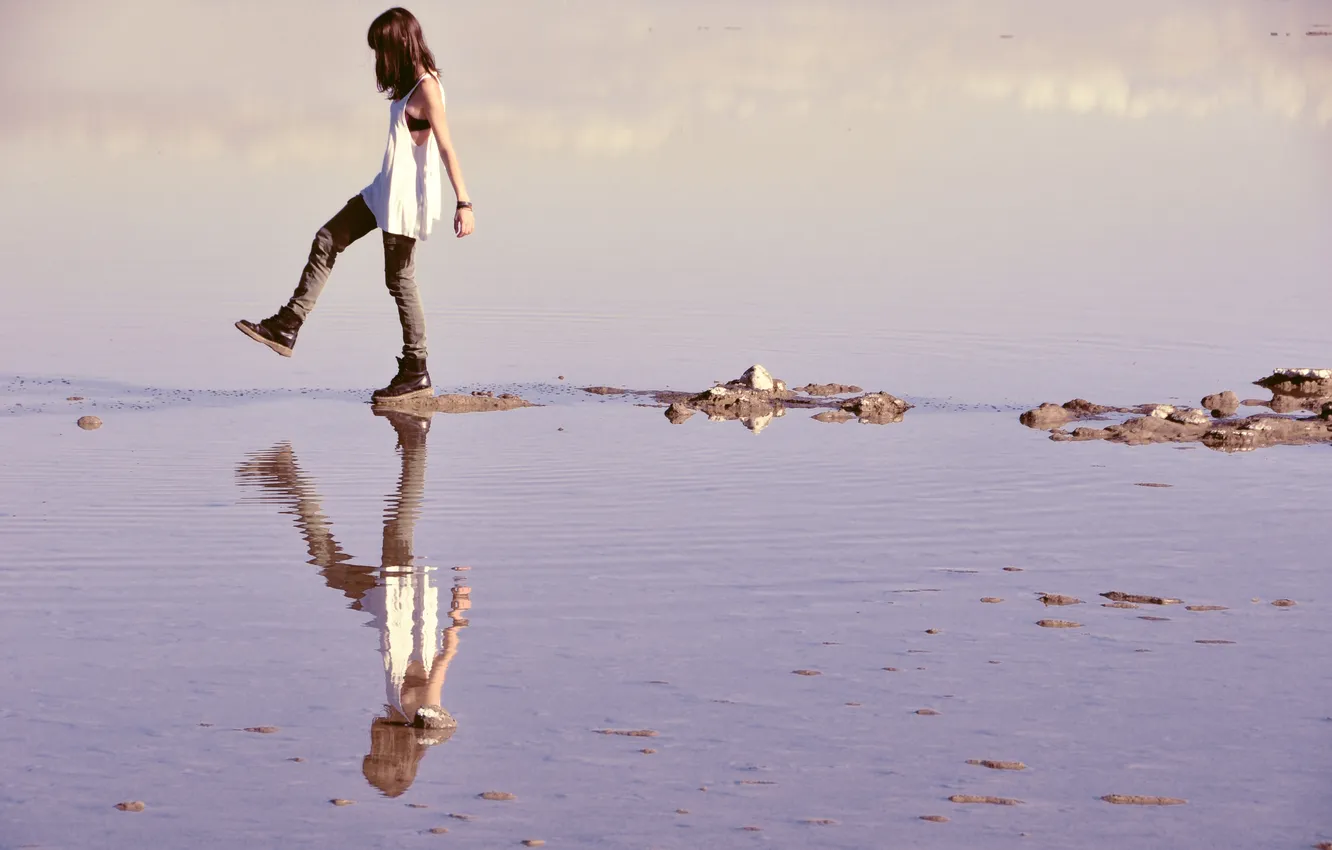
[400,49]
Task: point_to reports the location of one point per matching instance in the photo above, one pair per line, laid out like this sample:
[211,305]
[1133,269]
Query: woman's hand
[463,222]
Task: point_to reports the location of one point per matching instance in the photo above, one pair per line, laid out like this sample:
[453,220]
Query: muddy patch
[1120,596]
[480,401]
[992,801]
[756,398]
[1212,424]
[1139,800]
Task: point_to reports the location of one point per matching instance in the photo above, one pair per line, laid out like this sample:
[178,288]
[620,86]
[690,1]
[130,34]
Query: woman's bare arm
[463,222]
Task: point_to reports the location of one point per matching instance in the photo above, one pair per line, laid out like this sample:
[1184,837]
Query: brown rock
[1221,404]
[296,759]
[648,751]
[1058,624]
[807,672]
[998,765]
[632,733]
[993,600]
[89,423]
[75,398]
[931,631]
[1012,569]
[605,390]
[891,669]
[131,806]
[438,830]
[934,818]
[877,408]
[1059,599]
[1118,605]
[338,801]
[678,413]
[262,730]
[496,796]
[828,389]
[1152,484]
[534,842]
[993,801]
[820,821]
[927,712]
[1283,603]
[682,811]
[751,828]
[1138,800]
[417,806]
[1152,619]
[1205,608]
[460,816]
[1117,596]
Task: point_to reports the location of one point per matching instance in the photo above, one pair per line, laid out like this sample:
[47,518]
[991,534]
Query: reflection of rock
[834,416]
[678,413]
[1222,404]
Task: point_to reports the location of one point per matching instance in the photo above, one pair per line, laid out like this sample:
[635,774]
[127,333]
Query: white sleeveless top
[406,196]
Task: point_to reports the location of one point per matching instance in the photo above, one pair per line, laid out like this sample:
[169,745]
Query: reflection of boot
[411,427]
[278,331]
[412,381]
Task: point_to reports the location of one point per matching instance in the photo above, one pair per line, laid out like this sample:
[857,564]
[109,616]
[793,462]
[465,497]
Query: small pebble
[1059,599]
[461,569]
[75,398]
[1152,619]
[89,423]
[459,816]
[752,828]
[496,795]
[1214,641]
[417,806]
[131,806]
[534,842]
[934,818]
[296,759]
[853,703]
[891,669]
[1283,603]
[338,801]
[630,733]
[1058,624]
[931,631]
[807,672]
[682,811]
[1205,608]
[438,830]
[1118,605]
[820,821]
[995,662]
[993,600]
[926,712]
[262,730]
[648,751]
[1012,569]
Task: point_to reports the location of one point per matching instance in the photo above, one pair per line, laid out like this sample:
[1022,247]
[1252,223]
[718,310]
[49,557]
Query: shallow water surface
[183,574]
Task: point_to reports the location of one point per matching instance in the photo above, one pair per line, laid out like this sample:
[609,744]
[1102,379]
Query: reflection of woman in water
[402,599]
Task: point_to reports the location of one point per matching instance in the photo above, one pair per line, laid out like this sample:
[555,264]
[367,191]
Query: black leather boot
[278,331]
[412,381]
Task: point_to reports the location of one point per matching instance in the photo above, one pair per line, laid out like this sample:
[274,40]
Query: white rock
[718,391]
[1190,416]
[1321,374]
[758,378]
[1162,411]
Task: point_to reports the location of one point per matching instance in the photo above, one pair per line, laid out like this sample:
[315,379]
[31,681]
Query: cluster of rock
[1213,424]
[756,398]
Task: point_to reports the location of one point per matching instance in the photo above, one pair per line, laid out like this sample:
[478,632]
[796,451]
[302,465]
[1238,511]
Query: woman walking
[404,201]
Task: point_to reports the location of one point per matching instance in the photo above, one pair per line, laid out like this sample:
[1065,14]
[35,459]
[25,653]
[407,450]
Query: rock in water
[89,423]
[877,408]
[1222,404]
[433,717]
[678,413]
[131,806]
[758,378]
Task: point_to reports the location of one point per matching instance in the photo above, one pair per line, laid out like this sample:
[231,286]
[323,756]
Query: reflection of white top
[406,196]
[406,610]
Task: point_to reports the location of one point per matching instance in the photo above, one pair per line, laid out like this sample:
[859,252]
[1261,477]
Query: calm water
[1124,204]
